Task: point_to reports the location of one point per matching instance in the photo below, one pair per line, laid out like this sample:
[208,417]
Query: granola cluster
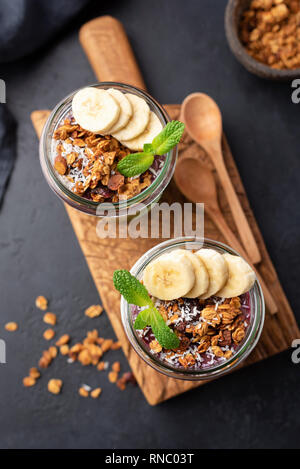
[208,330]
[270,31]
[86,391]
[88,162]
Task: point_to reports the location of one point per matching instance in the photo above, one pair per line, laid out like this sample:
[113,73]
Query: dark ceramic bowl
[233,14]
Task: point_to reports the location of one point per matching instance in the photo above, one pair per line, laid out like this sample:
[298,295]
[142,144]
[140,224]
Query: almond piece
[115,181]
[60,164]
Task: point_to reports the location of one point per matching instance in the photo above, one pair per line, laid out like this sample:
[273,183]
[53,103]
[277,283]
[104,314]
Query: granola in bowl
[192,310]
[100,151]
[210,331]
[270,32]
[87,164]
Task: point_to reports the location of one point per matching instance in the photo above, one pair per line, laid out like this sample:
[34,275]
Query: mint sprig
[138,163]
[134,164]
[135,293]
[168,138]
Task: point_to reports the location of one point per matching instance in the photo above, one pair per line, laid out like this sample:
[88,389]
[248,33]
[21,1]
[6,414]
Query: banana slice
[241,277]
[217,270]
[138,122]
[125,107]
[201,274]
[169,277]
[95,110]
[153,128]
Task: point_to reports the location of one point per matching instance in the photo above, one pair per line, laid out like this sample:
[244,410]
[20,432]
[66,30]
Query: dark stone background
[181,48]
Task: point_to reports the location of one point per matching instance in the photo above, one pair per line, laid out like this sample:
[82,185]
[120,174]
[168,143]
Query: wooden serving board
[103,256]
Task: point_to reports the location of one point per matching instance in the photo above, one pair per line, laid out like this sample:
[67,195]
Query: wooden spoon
[198,184]
[203,121]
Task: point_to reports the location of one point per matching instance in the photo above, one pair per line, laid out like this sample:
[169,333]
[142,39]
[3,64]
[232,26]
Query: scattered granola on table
[55,385]
[64,339]
[47,357]
[95,393]
[83,392]
[29,381]
[53,351]
[87,164]
[11,326]
[41,302]
[126,378]
[116,345]
[88,352]
[270,32]
[87,391]
[50,318]
[49,334]
[93,311]
[34,373]
[64,349]
[113,376]
[102,366]
[116,367]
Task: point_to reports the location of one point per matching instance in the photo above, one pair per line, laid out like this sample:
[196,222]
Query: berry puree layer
[202,301]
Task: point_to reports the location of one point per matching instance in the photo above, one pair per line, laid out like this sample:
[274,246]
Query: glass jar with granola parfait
[84,140]
[215,330]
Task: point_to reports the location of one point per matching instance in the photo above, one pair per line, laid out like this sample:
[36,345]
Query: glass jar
[148,196]
[253,332]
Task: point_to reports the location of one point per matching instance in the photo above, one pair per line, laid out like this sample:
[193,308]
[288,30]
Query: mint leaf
[148,148]
[163,334]
[143,320]
[135,163]
[168,138]
[135,293]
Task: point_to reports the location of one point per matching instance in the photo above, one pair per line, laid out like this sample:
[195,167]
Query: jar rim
[147,196]
[240,355]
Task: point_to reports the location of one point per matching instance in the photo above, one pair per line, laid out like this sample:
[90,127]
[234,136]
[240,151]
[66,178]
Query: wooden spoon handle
[108,49]
[232,241]
[239,216]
